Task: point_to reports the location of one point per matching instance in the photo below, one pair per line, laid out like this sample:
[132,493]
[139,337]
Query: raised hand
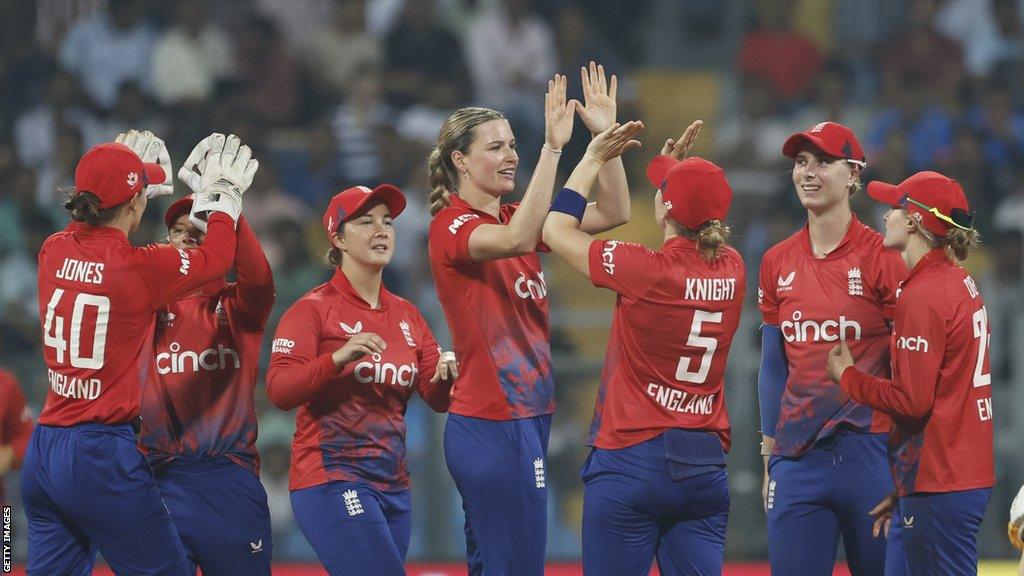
[558,114]
[615,140]
[598,112]
[447,368]
[358,346]
[678,149]
[227,174]
[150,149]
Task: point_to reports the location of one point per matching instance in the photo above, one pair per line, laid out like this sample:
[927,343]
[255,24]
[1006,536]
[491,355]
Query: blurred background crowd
[332,93]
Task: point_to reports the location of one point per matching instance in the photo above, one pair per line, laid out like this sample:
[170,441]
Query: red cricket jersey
[497,312]
[198,399]
[816,302]
[940,395]
[350,425]
[15,420]
[97,299]
[675,316]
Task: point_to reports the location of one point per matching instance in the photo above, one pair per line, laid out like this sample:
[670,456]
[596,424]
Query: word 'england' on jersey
[71,387]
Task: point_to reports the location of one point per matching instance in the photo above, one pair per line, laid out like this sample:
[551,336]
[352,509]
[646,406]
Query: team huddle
[874,388]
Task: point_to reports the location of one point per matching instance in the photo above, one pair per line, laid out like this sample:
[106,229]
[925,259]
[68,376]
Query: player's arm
[771,383]
[438,371]
[611,207]
[17,429]
[562,233]
[255,279]
[521,234]
[913,394]
[170,273]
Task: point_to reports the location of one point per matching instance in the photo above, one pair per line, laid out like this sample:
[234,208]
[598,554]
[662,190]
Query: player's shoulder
[786,246]
[450,218]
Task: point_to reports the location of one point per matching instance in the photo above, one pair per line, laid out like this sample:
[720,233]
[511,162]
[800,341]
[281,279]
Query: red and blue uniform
[15,421]
[655,483]
[940,400]
[86,486]
[199,418]
[497,431]
[349,480]
[828,466]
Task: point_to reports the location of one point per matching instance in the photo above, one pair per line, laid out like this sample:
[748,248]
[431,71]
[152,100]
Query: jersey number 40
[55,323]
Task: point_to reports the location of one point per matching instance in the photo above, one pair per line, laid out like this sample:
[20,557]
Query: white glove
[151,150]
[219,170]
[1013,530]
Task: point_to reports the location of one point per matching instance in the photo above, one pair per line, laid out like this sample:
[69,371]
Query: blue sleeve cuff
[771,379]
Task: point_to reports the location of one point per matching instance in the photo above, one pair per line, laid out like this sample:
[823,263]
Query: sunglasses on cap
[958,217]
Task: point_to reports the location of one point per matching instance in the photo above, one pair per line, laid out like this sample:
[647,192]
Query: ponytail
[960,243]
[711,237]
[86,207]
[456,134]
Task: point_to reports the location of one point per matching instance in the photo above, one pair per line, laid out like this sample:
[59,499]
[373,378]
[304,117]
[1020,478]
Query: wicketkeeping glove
[219,170]
[152,150]
[1016,525]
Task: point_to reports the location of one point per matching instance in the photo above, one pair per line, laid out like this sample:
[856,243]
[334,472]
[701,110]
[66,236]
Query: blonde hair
[456,134]
[711,237]
[957,242]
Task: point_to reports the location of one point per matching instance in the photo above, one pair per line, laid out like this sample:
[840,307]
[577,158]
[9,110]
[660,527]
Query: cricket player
[349,355]
[832,281]
[85,484]
[655,481]
[15,426]
[198,414]
[940,392]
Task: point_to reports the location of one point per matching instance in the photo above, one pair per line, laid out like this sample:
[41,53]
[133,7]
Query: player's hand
[447,368]
[191,172]
[558,114]
[599,111]
[1016,525]
[883,516]
[764,486]
[358,346]
[615,140]
[6,458]
[228,173]
[151,150]
[678,149]
[839,359]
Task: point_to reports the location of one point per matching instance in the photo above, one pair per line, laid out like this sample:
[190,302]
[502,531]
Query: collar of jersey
[852,230]
[932,258]
[460,203]
[677,243]
[342,285]
[109,231]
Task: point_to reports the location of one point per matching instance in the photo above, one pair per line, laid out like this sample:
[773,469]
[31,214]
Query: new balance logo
[352,329]
[908,522]
[183,269]
[538,473]
[786,284]
[352,504]
[256,546]
[770,503]
[856,284]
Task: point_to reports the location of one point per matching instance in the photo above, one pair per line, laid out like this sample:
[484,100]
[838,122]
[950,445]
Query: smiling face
[822,181]
[491,160]
[183,235]
[367,239]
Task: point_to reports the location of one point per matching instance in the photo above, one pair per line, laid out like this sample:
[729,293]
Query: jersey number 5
[56,324]
[683,373]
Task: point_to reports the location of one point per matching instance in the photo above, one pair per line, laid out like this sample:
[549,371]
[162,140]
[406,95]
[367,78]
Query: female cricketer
[940,393]
[348,355]
[86,486]
[831,281]
[483,256]
[655,481]
[198,414]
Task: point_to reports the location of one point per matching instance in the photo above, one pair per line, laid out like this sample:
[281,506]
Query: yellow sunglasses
[958,217]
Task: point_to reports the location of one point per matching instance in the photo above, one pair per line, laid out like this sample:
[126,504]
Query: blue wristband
[570,202]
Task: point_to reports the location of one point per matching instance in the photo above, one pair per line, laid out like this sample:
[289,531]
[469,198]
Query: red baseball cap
[180,207]
[114,174]
[832,138]
[937,202]
[347,203]
[694,190]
